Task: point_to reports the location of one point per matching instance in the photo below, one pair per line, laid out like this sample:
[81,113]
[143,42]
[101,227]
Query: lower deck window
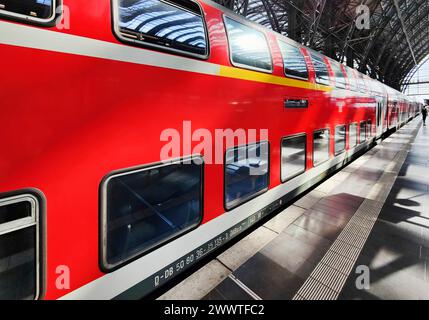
[246,173]
[362,133]
[369,129]
[145,208]
[340,139]
[353,135]
[293,156]
[41,10]
[321,146]
[19,250]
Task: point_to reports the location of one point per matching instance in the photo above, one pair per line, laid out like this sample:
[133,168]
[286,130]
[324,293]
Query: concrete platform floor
[362,234]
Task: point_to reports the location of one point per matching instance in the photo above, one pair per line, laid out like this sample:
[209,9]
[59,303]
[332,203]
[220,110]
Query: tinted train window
[19,268]
[369,129]
[361,82]
[362,133]
[176,25]
[340,139]
[246,173]
[353,135]
[248,47]
[293,156]
[340,81]
[294,62]
[144,208]
[321,144]
[352,80]
[322,74]
[42,10]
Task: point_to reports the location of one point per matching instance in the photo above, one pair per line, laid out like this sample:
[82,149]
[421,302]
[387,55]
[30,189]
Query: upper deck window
[352,79]
[322,74]
[361,82]
[340,81]
[248,47]
[32,10]
[173,25]
[294,62]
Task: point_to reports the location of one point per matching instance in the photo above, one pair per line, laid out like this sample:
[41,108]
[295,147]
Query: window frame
[345,139]
[228,38]
[283,60]
[357,136]
[368,129]
[37,219]
[336,66]
[361,82]
[329,147]
[145,45]
[47,22]
[360,134]
[255,195]
[103,263]
[298,135]
[322,57]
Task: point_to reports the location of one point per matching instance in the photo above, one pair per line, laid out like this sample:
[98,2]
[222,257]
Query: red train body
[78,103]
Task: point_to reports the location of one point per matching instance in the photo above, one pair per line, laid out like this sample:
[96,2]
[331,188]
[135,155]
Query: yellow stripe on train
[236,73]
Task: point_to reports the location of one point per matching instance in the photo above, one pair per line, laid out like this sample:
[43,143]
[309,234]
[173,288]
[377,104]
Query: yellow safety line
[237,73]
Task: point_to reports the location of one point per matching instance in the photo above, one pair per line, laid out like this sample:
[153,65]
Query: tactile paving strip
[328,278]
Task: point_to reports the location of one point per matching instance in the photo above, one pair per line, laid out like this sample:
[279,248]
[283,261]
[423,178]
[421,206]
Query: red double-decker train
[92,94]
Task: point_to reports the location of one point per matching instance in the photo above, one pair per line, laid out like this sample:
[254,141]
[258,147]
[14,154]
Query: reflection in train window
[340,80]
[369,129]
[246,173]
[19,276]
[353,135]
[351,79]
[172,25]
[362,133]
[361,82]
[145,208]
[294,62]
[293,156]
[322,74]
[340,139]
[37,10]
[321,144]
[248,47]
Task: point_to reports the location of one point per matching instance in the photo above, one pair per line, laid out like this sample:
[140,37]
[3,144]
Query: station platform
[361,234]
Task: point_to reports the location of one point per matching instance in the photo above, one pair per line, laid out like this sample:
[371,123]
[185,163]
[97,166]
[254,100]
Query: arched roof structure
[391,49]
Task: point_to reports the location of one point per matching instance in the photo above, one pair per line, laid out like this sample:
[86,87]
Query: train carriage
[91,207]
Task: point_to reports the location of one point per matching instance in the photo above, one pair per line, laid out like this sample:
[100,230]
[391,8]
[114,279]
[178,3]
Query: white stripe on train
[113,284]
[30,37]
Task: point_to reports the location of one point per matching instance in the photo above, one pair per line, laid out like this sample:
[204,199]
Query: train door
[385,114]
[381,116]
[377,116]
[395,114]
